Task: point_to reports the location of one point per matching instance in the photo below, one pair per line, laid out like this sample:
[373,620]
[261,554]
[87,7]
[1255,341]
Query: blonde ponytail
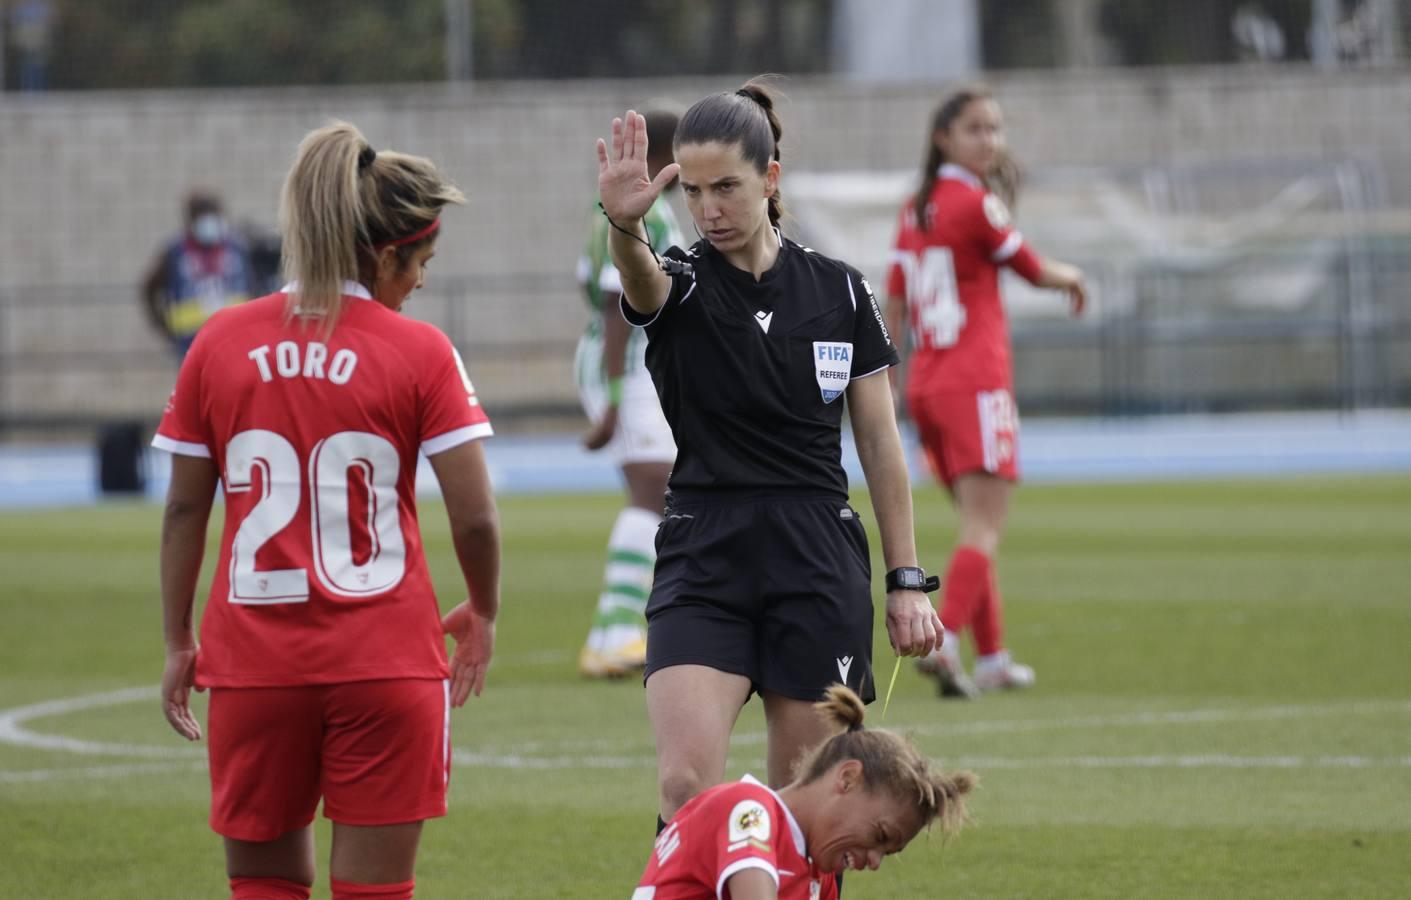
[340,200]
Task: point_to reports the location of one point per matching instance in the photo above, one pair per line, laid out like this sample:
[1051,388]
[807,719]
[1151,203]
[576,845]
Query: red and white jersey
[726,829]
[321,577]
[949,275]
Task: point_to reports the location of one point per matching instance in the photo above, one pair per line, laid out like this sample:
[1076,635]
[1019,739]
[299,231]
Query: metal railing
[1164,339]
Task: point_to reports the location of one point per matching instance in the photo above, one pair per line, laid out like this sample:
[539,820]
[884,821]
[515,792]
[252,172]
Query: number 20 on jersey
[337,466]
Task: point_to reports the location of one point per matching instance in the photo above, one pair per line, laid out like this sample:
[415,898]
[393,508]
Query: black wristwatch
[911,578]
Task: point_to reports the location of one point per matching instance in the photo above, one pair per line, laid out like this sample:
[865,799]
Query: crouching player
[858,796]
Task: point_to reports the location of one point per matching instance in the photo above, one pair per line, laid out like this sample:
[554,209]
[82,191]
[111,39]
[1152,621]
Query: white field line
[12,730]
[1203,761]
[1207,761]
[607,746]
[1125,720]
[539,764]
[1143,719]
[31,776]
[579,754]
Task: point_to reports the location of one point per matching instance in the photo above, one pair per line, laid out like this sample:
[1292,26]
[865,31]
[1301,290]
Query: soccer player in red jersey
[858,796]
[321,641]
[952,239]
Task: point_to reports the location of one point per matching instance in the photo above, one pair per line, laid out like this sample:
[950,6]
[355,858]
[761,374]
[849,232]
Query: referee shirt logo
[832,366]
[764,318]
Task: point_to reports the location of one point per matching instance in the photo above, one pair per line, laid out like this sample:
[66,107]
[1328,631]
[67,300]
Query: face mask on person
[208,229]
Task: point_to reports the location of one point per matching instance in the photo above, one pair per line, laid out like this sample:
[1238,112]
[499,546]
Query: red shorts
[968,431]
[377,752]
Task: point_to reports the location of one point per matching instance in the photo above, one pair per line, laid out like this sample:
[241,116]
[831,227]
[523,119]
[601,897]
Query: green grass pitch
[1223,709]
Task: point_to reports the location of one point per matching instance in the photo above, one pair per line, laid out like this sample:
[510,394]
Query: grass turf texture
[1222,710]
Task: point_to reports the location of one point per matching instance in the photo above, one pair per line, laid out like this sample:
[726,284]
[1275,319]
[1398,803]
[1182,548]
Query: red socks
[988,618]
[346,890]
[966,578]
[972,600]
[267,889]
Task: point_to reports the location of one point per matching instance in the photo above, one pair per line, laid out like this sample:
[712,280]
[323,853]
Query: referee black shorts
[776,589]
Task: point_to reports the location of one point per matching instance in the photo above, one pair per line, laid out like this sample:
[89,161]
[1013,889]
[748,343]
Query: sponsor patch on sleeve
[749,827]
[996,212]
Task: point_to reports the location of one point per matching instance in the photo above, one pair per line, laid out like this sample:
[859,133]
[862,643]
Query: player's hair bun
[842,708]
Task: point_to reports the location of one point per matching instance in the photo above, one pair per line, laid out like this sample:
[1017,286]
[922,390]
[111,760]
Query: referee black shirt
[752,374]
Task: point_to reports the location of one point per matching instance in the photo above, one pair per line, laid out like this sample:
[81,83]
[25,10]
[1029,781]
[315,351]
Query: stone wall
[91,183]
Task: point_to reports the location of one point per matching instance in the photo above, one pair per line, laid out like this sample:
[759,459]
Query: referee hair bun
[756,91]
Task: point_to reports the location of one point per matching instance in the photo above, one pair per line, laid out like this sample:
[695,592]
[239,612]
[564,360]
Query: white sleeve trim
[1010,247]
[873,372]
[444,442]
[624,306]
[754,862]
[851,295]
[182,448]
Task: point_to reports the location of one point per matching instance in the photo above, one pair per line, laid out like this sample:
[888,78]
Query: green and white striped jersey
[598,275]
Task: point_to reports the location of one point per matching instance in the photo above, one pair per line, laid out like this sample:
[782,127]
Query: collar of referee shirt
[732,271]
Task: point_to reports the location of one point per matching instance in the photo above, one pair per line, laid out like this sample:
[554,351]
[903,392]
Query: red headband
[411,238]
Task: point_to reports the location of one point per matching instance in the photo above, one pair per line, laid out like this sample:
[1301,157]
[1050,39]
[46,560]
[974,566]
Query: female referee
[952,239]
[762,574]
[321,641]
[858,796]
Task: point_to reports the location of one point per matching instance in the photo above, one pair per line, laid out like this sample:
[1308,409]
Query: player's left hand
[178,675]
[913,626]
[602,431]
[475,644]
[1076,287]
[1078,297]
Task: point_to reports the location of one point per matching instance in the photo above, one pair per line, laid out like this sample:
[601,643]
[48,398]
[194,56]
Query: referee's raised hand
[624,186]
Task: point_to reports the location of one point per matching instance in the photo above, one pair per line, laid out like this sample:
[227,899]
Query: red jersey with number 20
[321,577]
[949,275]
[724,830]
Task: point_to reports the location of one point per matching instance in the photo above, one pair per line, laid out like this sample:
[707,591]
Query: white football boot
[998,672]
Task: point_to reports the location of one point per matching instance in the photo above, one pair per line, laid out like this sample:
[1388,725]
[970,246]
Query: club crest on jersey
[832,366]
[749,826]
[996,212]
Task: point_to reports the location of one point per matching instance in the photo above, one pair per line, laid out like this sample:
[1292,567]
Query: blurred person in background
[856,797]
[953,237]
[204,269]
[32,25]
[322,641]
[763,577]
[617,395]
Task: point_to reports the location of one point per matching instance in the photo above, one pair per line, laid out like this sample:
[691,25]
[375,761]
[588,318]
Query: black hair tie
[366,157]
[856,726]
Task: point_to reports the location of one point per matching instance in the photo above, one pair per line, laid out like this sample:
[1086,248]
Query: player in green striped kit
[618,396]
